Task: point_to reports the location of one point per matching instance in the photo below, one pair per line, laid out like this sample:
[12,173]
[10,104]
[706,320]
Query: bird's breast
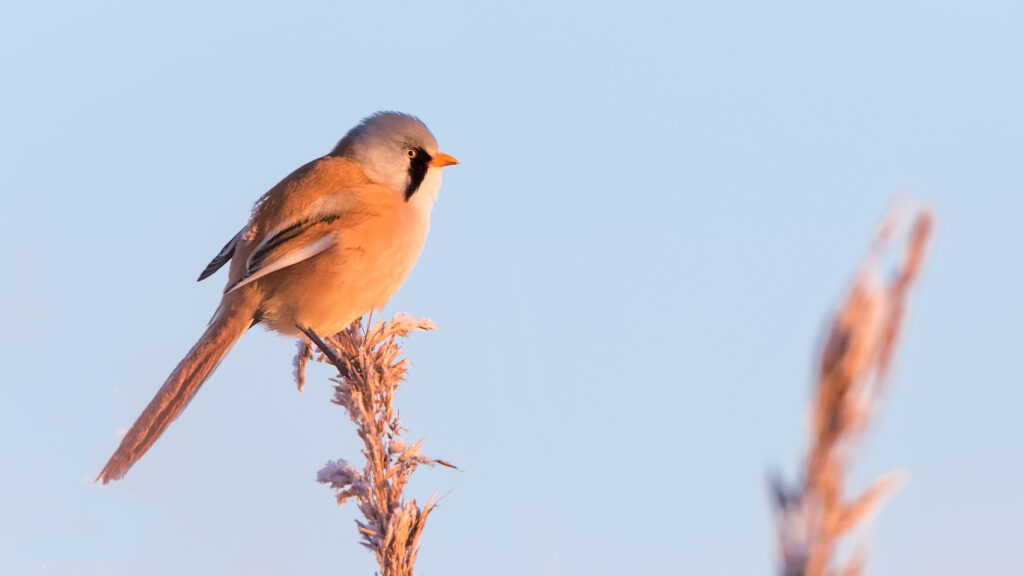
[361,272]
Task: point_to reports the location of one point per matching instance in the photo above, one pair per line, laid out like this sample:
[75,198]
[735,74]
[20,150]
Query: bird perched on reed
[331,242]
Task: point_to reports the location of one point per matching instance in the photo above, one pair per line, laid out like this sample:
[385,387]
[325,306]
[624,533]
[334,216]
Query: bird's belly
[330,290]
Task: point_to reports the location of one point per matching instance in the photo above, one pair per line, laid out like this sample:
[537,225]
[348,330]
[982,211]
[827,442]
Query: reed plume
[812,519]
[370,369]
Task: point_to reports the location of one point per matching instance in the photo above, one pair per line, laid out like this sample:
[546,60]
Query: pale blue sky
[657,207]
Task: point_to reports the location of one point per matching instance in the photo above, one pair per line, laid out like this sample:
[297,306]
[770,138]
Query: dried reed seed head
[305,352]
[370,371]
[854,367]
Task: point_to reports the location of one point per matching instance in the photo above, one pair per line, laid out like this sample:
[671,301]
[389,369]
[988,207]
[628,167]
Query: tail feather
[232,319]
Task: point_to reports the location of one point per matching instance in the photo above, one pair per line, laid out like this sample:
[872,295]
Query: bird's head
[394,149]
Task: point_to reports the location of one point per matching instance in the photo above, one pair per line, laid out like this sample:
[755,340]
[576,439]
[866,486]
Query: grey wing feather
[222,257]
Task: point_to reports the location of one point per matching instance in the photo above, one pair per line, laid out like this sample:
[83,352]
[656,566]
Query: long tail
[232,319]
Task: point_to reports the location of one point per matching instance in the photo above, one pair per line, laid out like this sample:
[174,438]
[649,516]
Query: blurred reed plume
[812,519]
[370,370]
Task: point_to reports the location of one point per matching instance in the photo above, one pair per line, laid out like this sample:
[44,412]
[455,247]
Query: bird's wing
[289,244]
[303,216]
[221,258]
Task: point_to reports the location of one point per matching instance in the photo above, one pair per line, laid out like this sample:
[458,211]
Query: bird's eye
[411,153]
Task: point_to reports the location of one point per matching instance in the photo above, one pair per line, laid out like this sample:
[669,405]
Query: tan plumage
[329,243]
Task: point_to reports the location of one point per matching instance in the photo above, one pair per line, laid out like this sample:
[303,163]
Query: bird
[331,242]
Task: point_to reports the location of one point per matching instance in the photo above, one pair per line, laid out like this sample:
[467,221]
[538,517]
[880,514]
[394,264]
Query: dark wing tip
[222,257]
[207,272]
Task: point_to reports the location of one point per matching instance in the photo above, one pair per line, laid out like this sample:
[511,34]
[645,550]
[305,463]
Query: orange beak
[442,160]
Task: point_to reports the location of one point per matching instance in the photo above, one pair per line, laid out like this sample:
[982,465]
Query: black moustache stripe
[417,172]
